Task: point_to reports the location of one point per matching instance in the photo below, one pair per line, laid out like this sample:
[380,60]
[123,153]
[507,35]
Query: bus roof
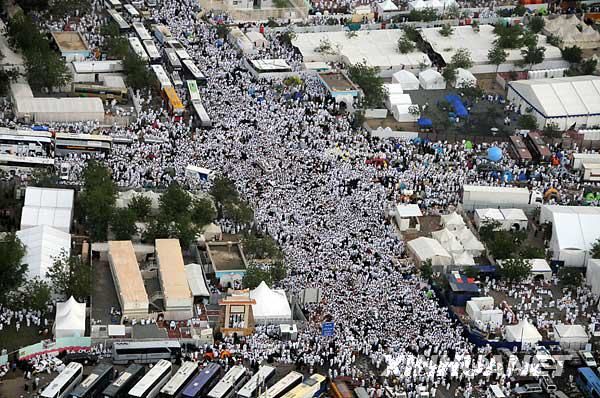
[263,374]
[89,137]
[59,380]
[199,382]
[173,97]
[183,374]
[99,372]
[276,389]
[24,133]
[157,370]
[132,371]
[230,379]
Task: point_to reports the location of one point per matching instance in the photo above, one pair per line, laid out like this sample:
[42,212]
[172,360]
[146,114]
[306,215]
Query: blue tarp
[457,105]
[424,122]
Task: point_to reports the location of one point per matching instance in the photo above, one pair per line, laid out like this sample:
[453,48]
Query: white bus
[229,384]
[199,173]
[179,49]
[194,71]
[200,111]
[141,31]
[152,51]
[183,375]
[177,82]
[193,90]
[172,60]
[283,386]
[161,76]
[137,48]
[118,19]
[132,13]
[65,382]
[116,4]
[257,383]
[152,382]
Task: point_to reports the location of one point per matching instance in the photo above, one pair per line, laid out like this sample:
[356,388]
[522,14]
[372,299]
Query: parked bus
[177,82]
[171,59]
[183,375]
[118,19]
[257,383]
[152,51]
[121,386]
[89,143]
[519,149]
[311,387]
[104,92]
[588,382]
[200,112]
[193,90]
[114,4]
[132,13]
[178,47]
[230,383]
[174,104]
[141,31]
[152,382]
[20,142]
[339,389]
[136,46]
[538,148]
[94,383]
[65,382]
[162,33]
[194,71]
[283,386]
[161,76]
[145,351]
[203,382]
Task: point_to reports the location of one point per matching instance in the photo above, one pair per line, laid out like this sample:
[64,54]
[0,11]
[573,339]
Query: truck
[479,197]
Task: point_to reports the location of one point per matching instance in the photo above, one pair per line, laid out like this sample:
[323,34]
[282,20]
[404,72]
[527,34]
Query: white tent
[402,113]
[592,275]
[523,332]
[514,219]
[463,258]
[70,319]
[423,249]
[449,241]
[407,80]
[43,244]
[464,78]
[438,5]
[393,88]
[397,99]
[271,305]
[483,216]
[212,231]
[443,235]
[196,280]
[48,206]
[573,234]
[540,267]
[572,31]
[452,221]
[571,337]
[386,6]
[124,198]
[405,213]
[431,79]
[481,310]
[470,243]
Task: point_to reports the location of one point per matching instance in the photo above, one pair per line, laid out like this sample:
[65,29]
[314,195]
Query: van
[547,384]
[531,388]
[494,391]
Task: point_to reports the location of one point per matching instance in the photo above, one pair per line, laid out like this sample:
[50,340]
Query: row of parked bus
[189,381]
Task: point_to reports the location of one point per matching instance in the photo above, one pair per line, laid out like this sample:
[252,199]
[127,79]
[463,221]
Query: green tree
[515,269]
[371,84]
[588,66]
[595,250]
[122,224]
[519,10]
[570,277]
[449,73]
[533,55]
[405,45]
[240,212]
[69,276]
[508,36]
[277,271]
[572,54]
[65,8]
[551,130]
[36,295]
[222,31]
[293,81]
[175,202]
[462,59]
[118,48]
[223,191]
[141,206]
[411,33]
[12,269]
[254,275]
[446,30]
[527,122]
[45,69]
[531,252]
[138,75]
[97,199]
[203,211]
[497,56]
[281,3]
[185,231]
[426,270]
[554,40]
[261,248]
[503,245]
[536,24]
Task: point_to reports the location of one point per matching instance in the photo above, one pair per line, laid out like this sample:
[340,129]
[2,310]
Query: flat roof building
[127,279]
[171,272]
[72,45]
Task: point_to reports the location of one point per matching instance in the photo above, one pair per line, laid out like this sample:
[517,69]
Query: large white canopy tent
[43,244]
[407,80]
[470,243]
[540,267]
[464,78]
[431,79]
[463,258]
[571,337]
[523,332]
[70,319]
[572,31]
[271,305]
[423,249]
[452,221]
[48,206]
[393,88]
[438,5]
[564,101]
[386,6]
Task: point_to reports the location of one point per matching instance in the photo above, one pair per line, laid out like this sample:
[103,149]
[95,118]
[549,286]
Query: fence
[54,347]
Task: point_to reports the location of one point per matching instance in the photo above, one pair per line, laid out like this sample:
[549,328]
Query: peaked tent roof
[196,280]
[270,304]
[452,219]
[388,5]
[70,318]
[406,79]
[570,331]
[523,331]
[43,244]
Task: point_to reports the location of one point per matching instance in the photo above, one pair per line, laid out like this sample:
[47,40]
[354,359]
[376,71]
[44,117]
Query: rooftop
[70,41]
[226,256]
[337,81]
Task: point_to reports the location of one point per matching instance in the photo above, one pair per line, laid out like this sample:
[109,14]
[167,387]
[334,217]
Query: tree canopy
[371,84]
[97,199]
[497,56]
[69,276]
[12,271]
[572,54]
[570,277]
[446,30]
[405,45]
[462,59]
[141,207]
[515,269]
[527,122]
[533,55]
[123,224]
[536,24]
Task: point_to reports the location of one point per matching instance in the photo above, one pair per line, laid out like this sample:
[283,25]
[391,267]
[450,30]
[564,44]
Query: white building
[564,101]
[407,216]
[482,311]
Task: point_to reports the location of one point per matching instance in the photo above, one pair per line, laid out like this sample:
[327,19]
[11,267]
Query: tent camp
[571,337]
[463,258]
[271,305]
[469,241]
[452,221]
[431,79]
[572,31]
[438,5]
[464,78]
[406,80]
[393,88]
[509,219]
[70,319]
[402,113]
[574,231]
[423,249]
[42,245]
[392,100]
[483,216]
[523,332]
[48,206]
[481,309]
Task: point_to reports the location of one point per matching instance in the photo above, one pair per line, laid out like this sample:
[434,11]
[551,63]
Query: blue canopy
[494,154]
[457,105]
[424,122]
